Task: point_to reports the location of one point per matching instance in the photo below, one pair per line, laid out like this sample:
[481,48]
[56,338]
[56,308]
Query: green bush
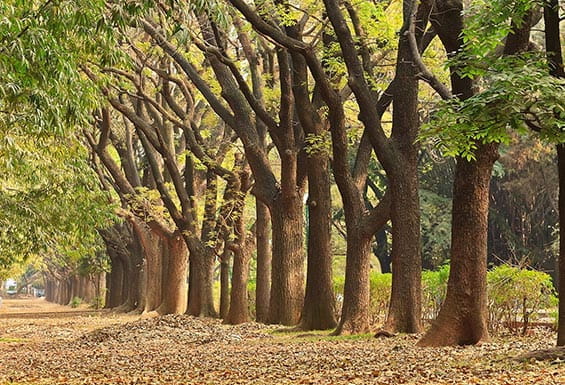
[381,285]
[379,291]
[434,287]
[251,290]
[516,295]
[75,302]
[97,302]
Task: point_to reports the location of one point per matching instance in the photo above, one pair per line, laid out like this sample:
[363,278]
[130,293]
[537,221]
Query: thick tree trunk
[356,293]
[318,312]
[462,319]
[263,277]
[174,283]
[287,274]
[116,282]
[152,245]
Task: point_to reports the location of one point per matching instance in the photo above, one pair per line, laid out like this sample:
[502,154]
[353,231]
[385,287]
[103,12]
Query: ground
[42,343]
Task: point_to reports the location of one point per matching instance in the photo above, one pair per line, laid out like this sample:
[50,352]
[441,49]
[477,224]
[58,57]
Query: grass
[13,340]
[292,335]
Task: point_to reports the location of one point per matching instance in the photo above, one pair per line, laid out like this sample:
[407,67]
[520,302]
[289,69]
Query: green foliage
[75,302]
[380,288]
[98,302]
[434,287]
[435,222]
[318,144]
[517,92]
[518,95]
[515,295]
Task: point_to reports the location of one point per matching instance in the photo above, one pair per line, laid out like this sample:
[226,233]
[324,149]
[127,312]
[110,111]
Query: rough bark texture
[287,274]
[152,248]
[264,257]
[354,313]
[225,282]
[175,288]
[463,317]
[405,309]
[319,302]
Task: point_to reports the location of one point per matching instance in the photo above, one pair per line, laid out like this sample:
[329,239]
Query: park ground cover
[42,343]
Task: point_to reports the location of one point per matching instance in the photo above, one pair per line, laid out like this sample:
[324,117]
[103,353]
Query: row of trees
[207,106]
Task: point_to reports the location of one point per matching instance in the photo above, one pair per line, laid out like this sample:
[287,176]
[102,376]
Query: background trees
[175,113]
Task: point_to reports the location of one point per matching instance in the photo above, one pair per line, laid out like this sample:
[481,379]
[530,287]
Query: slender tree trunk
[462,319]
[318,312]
[287,274]
[404,314]
[225,281]
[555,59]
[263,278]
[561,287]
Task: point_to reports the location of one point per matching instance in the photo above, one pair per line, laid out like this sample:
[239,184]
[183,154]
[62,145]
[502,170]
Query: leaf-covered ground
[41,343]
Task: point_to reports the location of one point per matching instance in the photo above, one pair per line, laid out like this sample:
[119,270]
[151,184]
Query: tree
[462,318]
[555,60]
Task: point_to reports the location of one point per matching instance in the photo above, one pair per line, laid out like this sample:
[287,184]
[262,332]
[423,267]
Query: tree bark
[463,317]
[225,281]
[287,274]
[318,312]
[174,298]
[264,257]
[405,308]
[356,293]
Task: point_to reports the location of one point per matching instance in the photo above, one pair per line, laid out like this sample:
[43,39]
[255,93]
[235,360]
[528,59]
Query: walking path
[42,343]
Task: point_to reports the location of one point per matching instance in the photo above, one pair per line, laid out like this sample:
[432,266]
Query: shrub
[380,288]
[75,302]
[516,295]
[97,302]
[434,287]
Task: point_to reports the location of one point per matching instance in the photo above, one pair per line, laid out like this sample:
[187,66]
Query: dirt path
[42,343]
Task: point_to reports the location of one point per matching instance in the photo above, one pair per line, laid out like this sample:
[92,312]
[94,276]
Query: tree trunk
[318,312]
[174,286]
[404,315]
[239,306]
[263,277]
[194,285]
[116,281]
[287,274]
[152,245]
[462,319]
[561,287]
[356,293]
[225,282]
[555,59]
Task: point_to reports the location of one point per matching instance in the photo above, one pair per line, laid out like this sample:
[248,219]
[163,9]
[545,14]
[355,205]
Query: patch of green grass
[292,335]
[13,340]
